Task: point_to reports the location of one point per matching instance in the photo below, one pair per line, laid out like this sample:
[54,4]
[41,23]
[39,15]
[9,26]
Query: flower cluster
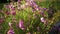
[27,15]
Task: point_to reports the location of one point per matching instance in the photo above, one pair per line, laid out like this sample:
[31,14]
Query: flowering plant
[25,17]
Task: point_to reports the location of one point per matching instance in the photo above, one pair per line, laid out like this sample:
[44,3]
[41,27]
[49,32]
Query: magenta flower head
[31,3]
[13,8]
[13,12]
[34,5]
[10,31]
[21,25]
[44,9]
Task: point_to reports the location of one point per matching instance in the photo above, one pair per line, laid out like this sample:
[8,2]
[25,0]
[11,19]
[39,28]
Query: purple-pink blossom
[34,5]
[13,12]
[44,9]
[42,19]
[21,24]
[13,8]
[10,31]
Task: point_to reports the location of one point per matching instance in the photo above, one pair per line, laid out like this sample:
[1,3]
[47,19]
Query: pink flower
[34,5]
[44,9]
[13,8]
[21,24]
[42,19]
[13,12]
[10,31]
